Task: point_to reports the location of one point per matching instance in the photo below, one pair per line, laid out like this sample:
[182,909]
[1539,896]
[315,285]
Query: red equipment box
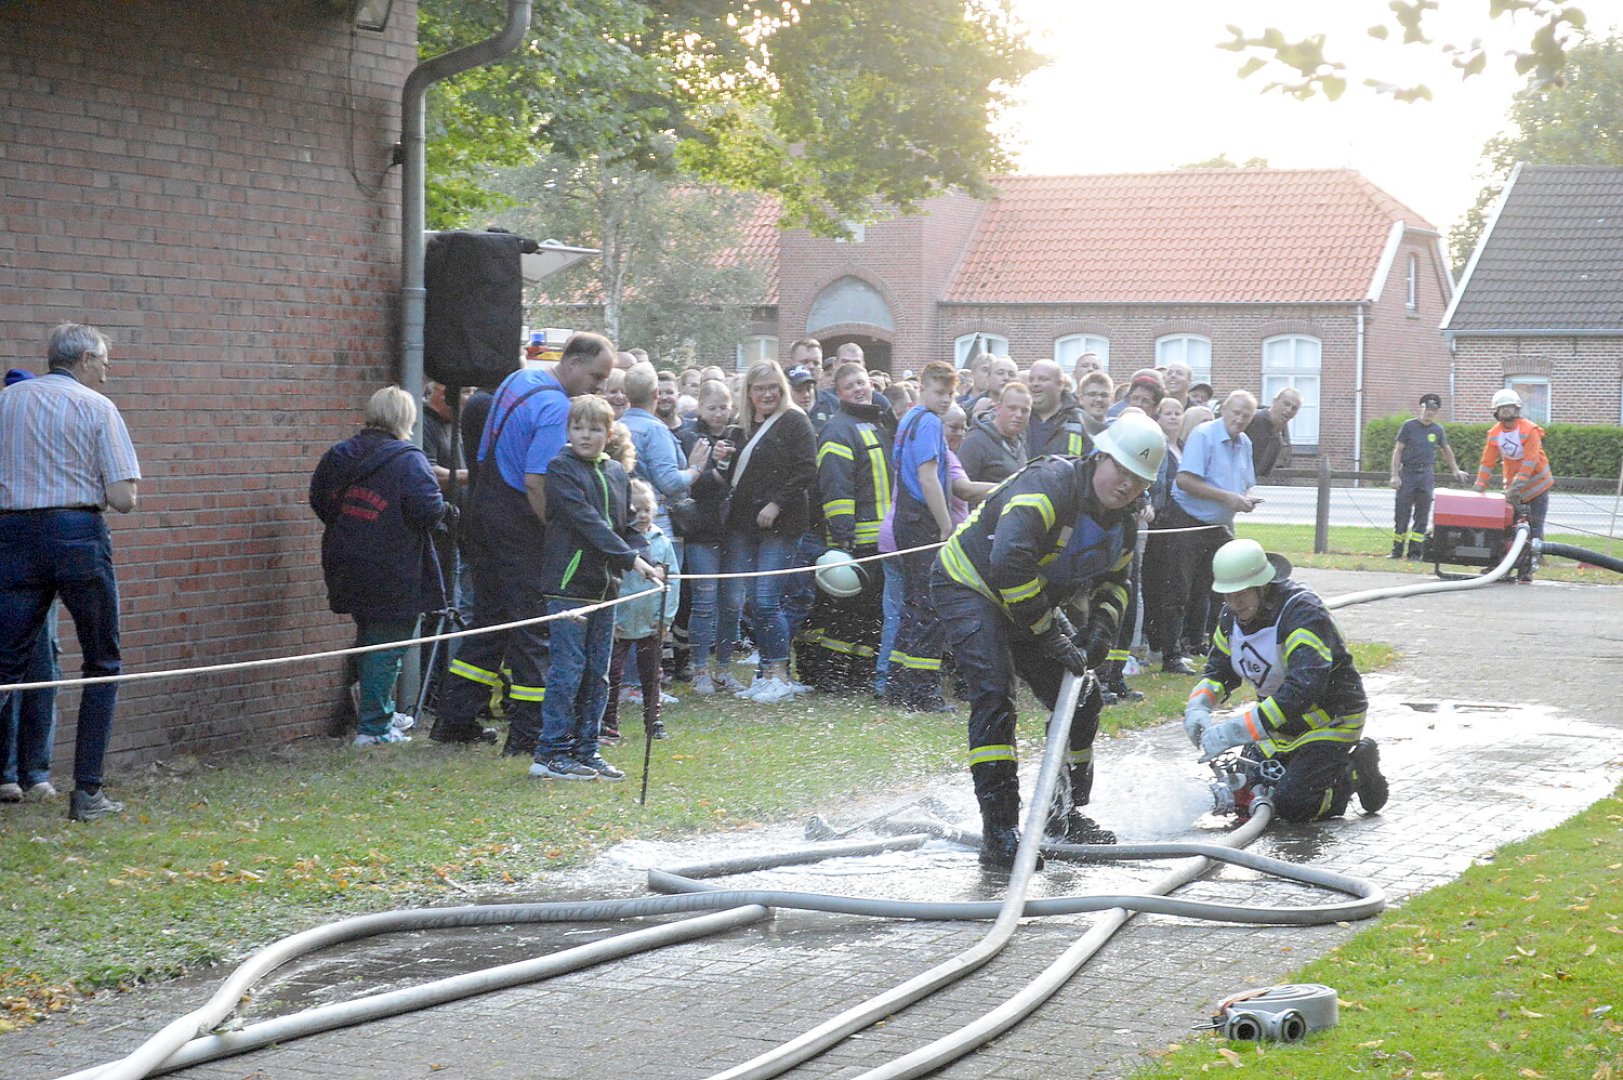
[1471,510]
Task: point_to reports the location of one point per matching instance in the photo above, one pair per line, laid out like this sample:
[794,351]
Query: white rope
[356,650]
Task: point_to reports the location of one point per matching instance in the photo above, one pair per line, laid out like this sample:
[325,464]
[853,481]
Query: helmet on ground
[1136,443]
[1505,397]
[839,575]
[1242,564]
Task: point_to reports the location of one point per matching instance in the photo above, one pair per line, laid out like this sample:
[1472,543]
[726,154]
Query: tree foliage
[669,278]
[1222,161]
[1579,122]
[837,107]
[1310,69]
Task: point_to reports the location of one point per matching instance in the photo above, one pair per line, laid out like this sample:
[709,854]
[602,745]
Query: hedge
[1574,449]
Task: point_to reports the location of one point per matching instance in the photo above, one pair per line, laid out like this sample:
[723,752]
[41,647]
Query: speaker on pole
[473,322]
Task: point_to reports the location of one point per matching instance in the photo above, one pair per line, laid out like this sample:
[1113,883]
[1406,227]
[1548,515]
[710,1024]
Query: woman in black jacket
[378,498]
[773,473]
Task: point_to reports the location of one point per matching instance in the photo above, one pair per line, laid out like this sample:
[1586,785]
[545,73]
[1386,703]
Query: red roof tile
[1195,235]
[759,246]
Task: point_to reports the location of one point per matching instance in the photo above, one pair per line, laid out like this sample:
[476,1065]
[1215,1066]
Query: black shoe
[465,733]
[658,730]
[1397,551]
[998,849]
[1178,665]
[83,806]
[608,736]
[1121,691]
[1367,780]
[1078,828]
[1107,696]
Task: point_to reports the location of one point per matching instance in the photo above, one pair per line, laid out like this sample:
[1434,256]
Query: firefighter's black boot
[1066,822]
[1397,550]
[997,786]
[1367,780]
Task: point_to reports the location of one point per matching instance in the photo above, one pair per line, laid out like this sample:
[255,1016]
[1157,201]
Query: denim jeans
[895,582]
[755,551]
[577,682]
[380,670]
[800,590]
[68,553]
[704,557]
[28,717]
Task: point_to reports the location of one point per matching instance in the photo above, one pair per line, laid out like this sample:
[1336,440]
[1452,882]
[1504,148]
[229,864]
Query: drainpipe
[413,108]
[1358,390]
[413,219]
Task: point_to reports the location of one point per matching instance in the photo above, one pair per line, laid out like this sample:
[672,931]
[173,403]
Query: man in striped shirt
[65,456]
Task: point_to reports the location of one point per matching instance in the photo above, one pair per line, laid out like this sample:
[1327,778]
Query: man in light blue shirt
[659,454]
[1214,474]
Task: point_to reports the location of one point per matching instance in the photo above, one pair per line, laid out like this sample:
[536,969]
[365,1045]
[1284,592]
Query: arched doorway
[849,309]
[875,352]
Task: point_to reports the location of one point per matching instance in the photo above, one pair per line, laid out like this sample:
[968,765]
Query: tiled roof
[1553,259]
[759,247]
[1195,235]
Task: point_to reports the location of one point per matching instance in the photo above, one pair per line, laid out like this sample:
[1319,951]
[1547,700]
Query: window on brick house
[1535,392]
[1067,349]
[992,343]
[1411,294]
[1295,360]
[756,347]
[1191,349]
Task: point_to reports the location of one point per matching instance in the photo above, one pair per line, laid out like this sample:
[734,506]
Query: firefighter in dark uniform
[504,521]
[1057,535]
[854,479]
[1277,635]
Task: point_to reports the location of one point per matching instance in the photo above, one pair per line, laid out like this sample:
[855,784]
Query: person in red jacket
[1518,445]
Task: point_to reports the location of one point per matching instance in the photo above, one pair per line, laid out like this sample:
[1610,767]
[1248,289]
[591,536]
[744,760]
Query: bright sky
[1142,87]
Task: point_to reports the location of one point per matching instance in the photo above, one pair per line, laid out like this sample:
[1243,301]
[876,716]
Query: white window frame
[996,344]
[756,347]
[1176,348]
[1070,348]
[1411,295]
[1297,361]
[1536,393]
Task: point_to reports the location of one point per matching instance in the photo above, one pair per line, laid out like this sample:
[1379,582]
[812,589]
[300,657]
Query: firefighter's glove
[1056,643]
[1197,716]
[1243,729]
[1097,643]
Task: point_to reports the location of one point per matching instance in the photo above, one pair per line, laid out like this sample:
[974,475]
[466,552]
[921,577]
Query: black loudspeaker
[473,325]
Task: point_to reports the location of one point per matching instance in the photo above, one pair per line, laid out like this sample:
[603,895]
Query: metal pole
[1611,527]
[647,724]
[1321,513]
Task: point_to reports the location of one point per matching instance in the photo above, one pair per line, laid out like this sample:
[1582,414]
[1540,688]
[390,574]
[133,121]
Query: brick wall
[1585,373]
[208,183]
[1405,354]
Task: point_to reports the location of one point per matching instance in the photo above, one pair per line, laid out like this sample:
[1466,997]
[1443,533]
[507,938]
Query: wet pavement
[1499,722]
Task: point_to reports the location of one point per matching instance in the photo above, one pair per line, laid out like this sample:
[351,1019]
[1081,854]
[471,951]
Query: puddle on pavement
[1148,788]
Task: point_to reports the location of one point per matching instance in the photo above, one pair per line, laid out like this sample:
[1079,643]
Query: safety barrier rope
[428,639]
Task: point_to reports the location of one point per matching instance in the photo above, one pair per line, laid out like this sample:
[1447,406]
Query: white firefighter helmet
[1242,564]
[1505,397]
[1136,443]
[838,574]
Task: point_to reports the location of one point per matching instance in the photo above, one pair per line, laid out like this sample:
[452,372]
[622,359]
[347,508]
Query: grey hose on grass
[1459,585]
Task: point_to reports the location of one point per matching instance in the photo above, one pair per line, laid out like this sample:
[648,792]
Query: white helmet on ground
[1136,443]
[1242,564]
[1505,397]
[839,575]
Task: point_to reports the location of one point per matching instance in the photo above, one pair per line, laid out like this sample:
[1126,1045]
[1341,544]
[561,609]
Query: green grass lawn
[220,856]
[1366,549]
[1514,970]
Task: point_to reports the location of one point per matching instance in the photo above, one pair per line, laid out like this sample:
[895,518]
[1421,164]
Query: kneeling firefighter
[1057,534]
[1309,717]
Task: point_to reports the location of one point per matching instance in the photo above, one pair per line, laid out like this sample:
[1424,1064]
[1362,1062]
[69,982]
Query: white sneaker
[704,684]
[40,791]
[11,793]
[770,691]
[753,659]
[388,738]
[402,722]
[668,699]
[726,681]
[798,687]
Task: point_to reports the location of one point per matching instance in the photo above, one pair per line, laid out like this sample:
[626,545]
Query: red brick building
[1259,278]
[1540,307]
[209,183]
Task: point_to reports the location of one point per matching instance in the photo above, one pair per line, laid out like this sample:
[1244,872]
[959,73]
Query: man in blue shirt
[1214,474]
[505,517]
[1414,465]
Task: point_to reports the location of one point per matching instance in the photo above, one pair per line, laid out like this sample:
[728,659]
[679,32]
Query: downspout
[1358,389]
[413,122]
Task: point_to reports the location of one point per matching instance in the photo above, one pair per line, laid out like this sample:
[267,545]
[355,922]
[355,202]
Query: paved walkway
[1500,721]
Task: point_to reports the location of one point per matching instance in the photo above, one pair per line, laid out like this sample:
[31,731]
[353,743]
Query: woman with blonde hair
[376,494]
[772,478]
